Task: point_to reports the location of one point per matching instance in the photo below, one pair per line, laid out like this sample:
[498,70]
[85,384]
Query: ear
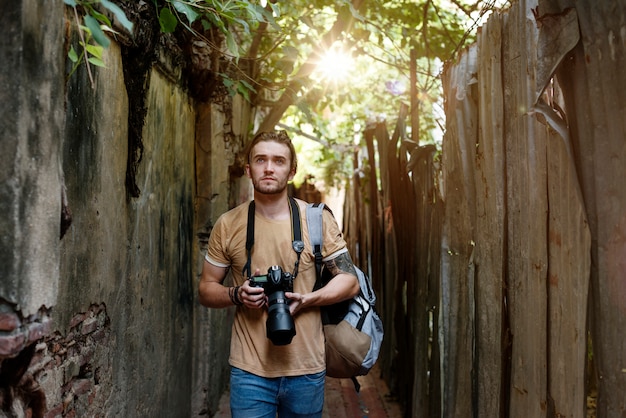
[292,174]
[247,168]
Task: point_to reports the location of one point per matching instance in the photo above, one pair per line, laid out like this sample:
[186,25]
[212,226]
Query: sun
[335,65]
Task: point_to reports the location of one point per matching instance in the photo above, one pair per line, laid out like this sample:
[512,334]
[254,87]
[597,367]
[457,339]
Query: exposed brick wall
[16,333]
[49,375]
[20,394]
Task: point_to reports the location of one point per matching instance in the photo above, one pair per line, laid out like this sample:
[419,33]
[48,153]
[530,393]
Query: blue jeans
[253,396]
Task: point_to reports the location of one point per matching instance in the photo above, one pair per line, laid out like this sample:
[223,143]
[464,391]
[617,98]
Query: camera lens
[280,326]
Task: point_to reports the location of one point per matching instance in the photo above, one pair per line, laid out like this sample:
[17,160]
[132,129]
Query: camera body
[275,280]
[279,326]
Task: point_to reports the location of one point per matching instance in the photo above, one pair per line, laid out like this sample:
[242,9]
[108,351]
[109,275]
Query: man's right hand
[252,297]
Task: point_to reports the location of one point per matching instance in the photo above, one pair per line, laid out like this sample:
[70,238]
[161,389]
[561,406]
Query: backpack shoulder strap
[314,221]
[315,225]
[314,216]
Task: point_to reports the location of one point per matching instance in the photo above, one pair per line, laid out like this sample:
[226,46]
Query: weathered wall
[31,125]
[104,321]
[133,257]
[218,140]
[31,94]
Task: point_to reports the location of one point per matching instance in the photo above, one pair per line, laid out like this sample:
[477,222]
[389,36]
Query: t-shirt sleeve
[334,244]
[216,253]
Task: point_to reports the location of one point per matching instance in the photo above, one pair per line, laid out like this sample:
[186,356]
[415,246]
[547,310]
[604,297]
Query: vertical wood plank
[594,89]
[526,219]
[456,320]
[569,241]
[490,229]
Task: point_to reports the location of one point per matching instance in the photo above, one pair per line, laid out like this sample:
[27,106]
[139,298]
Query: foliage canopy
[276,51]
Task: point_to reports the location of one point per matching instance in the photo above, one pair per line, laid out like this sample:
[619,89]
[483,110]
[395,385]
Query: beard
[269,187]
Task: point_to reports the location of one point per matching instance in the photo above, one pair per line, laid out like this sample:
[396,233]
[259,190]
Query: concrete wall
[219,136]
[105,320]
[31,96]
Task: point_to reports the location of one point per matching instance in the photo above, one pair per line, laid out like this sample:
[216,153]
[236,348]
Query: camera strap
[296,236]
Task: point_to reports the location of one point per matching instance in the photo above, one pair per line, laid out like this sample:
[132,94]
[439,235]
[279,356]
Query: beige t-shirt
[250,349]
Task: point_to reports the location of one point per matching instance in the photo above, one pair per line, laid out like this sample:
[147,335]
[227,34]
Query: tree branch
[301,78]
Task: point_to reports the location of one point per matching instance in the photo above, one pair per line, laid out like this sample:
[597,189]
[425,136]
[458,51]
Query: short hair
[276,136]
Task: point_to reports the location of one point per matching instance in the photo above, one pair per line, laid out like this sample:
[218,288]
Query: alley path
[342,401]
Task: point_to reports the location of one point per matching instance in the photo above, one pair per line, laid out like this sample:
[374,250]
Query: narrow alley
[342,401]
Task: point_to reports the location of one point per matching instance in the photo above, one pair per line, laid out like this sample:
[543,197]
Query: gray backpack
[353,329]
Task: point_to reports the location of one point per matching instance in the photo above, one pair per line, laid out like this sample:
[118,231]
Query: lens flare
[335,65]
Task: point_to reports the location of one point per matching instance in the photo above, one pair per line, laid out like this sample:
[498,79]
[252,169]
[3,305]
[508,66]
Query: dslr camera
[279,325]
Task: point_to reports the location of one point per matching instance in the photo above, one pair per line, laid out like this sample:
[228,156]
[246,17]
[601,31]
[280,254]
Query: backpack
[352,328]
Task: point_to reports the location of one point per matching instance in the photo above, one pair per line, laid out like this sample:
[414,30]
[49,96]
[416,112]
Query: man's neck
[275,207]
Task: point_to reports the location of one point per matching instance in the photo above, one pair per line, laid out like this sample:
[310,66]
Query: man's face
[270,167]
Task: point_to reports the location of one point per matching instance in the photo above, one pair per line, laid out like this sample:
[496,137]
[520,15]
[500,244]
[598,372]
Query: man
[267,379]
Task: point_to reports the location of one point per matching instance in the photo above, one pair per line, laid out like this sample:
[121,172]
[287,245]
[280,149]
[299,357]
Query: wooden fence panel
[402,203]
[530,264]
[422,173]
[387,302]
[569,258]
[527,212]
[491,324]
[456,317]
[496,273]
[594,88]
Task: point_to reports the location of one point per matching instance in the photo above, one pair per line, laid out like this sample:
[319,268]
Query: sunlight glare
[335,65]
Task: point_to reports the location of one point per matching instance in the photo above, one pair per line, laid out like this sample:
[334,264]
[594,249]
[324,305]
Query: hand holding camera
[280,327]
[252,296]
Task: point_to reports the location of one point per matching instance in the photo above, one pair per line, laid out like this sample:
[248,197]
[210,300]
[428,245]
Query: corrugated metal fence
[500,264]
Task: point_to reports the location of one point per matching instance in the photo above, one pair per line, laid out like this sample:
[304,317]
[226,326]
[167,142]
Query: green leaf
[254,12]
[70,2]
[228,83]
[72,55]
[100,17]
[215,21]
[119,14]
[243,23]
[105,28]
[95,50]
[248,85]
[97,62]
[206,25]
[275,9]
[243,91]
[232,46]
[85,29]
[167,20]
[186,9]
[97,33]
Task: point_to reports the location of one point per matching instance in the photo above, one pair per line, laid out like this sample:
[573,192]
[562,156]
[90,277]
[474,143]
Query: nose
[269,167]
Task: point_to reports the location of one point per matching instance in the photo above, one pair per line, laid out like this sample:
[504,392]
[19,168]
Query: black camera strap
[296,235]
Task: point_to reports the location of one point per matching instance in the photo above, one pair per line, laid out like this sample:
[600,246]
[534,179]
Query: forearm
[215,295]
[342,287]
[212,293]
